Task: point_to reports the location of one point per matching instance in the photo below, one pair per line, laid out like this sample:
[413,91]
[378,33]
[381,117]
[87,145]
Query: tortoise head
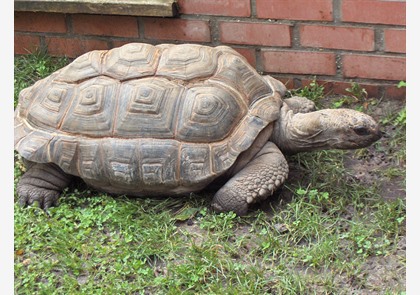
[325,129]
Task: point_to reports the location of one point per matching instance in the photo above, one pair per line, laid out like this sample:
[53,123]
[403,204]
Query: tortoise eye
[361,131]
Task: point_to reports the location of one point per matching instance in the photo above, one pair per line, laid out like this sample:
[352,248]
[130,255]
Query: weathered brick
[373,67]
[339,87]
[119,43]
[40,22]
[347,38]
[216,7]
[249,54]
[299,62]
[25,44]
[105,25]
[288,82]
[255,33]
[374,12]
[73,47]
[321,10]
[395,40]
[177,29]
[391,91]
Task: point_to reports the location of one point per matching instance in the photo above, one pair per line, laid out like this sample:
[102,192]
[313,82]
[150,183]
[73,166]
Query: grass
[323,233]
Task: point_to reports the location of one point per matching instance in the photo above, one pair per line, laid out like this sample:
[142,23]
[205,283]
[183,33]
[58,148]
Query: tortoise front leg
[263,175]
[42,183]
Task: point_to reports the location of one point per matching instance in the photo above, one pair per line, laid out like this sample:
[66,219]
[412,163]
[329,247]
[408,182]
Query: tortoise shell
[143,119]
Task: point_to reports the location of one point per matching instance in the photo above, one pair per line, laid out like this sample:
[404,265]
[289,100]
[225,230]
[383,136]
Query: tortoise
[145,120]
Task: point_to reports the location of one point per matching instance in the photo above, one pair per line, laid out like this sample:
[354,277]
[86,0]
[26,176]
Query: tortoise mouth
[378,133]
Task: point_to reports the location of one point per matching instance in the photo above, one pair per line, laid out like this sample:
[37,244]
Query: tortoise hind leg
[263,175]
[42,183]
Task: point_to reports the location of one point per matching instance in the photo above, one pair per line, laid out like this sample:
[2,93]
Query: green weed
[314,91]
[30,68]
[401,84]
[357,92]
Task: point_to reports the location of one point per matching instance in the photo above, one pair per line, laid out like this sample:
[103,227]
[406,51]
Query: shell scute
[131,61]
[195,165]
[64,153]
[147,107]
[50,106]
[84,67]
[187,62]
[209,113]
[223,156]
[159,162]
[234,71]
[35,146]
[120,158]
[92,109]
[88,165]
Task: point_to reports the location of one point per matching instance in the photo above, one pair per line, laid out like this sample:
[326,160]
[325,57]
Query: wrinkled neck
[324,129]
[295,133]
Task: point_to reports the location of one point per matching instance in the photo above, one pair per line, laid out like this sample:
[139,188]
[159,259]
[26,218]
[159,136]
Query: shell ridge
[177,111]
[102,57]
[66,111]
[117,97]
[21,124]
[30,146]
[35,95]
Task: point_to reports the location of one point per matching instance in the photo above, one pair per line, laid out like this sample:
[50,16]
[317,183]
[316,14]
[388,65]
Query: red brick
[288,82]
[249,54]
[374,67]
[326,84]
[299,62]
[255,34]
[295,9]
[395,40]
[73,47]
[216,7]
[339,87]
[392,91]
[347,38]
[40,22]
[177,29]
[25,44]
[374,12]
[332,87]
[306,82]
[119,43]
[105,25]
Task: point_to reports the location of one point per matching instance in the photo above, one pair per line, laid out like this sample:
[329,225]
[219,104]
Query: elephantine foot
[42,183]
[29,194]
[258,180]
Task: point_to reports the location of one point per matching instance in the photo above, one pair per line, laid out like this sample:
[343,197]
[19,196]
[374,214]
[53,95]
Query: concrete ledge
[164,8]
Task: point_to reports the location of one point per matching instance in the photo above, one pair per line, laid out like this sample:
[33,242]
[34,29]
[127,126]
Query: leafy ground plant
[336,227]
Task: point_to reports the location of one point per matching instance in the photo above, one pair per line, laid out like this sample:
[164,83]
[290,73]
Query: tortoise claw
[38,197]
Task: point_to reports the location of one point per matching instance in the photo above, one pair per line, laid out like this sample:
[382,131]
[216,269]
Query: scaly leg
[259,179]
[42,183]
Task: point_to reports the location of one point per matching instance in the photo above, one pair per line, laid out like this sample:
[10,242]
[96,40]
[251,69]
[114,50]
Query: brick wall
[339,41]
